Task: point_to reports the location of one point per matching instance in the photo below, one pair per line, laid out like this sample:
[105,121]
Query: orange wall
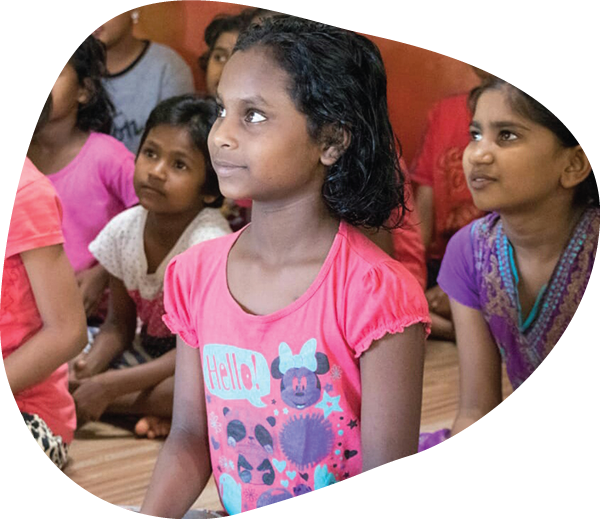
[416,77]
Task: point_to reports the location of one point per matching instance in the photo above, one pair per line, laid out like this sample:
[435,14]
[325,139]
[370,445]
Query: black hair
[529,108]
[338,81]
[197,114]
[89,62]
[222,23]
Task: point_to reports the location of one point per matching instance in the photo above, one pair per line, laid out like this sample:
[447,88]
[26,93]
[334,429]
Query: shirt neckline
[296,304]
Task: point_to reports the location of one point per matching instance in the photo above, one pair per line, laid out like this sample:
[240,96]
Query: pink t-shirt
[35,223]
[93,188]
[283,391]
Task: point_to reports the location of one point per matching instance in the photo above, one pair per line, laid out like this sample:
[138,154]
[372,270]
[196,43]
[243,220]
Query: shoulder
[108,147]
[120,229]
[200,259]
[371,268]
[35,188]
[164,55]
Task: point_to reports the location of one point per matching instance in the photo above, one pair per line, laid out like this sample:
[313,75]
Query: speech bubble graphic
[234,373]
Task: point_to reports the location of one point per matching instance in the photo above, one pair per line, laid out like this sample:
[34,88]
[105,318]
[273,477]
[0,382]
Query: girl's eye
[180,165]
[254,117]
[220,111]
[506,135]
[149,152]
[475,135]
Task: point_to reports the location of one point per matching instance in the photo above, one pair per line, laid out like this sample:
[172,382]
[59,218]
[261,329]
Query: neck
[57,135]
[123,53]
[544,229]
[291,231]
[166,227]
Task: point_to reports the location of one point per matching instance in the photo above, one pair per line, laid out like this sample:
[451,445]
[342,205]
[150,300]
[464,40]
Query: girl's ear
[336,141]
[577,170]
[209,199]
[86,90]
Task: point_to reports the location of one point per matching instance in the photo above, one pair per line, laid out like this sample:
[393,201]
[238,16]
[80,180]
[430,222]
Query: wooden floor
[109,462]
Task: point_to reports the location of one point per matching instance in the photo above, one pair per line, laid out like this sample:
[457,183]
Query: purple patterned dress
[479,271]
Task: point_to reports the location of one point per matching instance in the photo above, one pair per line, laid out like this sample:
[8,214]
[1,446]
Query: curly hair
[89,62]
[338,81]
[196,114]
[529,108]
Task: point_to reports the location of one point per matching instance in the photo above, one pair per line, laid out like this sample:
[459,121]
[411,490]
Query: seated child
[140,74]
[91,171]
[41,315]
[516,276]
[179,201]
[300,343]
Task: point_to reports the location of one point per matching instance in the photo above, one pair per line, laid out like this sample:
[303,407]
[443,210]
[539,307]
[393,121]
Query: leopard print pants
[52,445]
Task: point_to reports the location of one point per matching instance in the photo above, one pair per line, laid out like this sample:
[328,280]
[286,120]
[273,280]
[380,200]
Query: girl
[515,277]
[179,196]
[220,37]
[140,74]
[41,315]
[300,342]
[91,171]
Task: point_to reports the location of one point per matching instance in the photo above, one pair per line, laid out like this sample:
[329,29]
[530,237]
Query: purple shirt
[478,271]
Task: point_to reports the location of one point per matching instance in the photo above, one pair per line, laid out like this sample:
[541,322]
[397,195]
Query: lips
[146,188]
[226,168]
[479,180]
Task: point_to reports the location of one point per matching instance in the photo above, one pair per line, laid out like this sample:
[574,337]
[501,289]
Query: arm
[63,333]
[116,333]
[391,396]
[183,467]
[92,283]
[96,393]
[479,367]
[424,202]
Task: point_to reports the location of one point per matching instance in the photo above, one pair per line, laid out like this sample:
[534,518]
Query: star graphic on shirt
[329,404]
[352,424]
[346,474]
[273,401]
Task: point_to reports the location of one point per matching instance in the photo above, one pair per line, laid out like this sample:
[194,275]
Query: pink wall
[416,77]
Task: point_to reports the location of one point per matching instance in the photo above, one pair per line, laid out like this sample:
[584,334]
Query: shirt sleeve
[177,290]
[107,247]
[457,276]
[177,79]
[392,300]
[36,218]
[121,179]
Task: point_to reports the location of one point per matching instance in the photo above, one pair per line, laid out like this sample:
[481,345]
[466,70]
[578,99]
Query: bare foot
[152,427]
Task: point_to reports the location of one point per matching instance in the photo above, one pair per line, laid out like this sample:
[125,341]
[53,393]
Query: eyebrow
[501,124]
[253,100]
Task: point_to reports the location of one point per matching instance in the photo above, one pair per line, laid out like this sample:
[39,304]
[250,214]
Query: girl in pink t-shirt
[91,171]
[300,343]
[42,320]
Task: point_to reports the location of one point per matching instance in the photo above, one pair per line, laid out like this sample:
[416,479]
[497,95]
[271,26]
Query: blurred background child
[91,171]
[179,201]
[42,318]
[140,74]
[516,276]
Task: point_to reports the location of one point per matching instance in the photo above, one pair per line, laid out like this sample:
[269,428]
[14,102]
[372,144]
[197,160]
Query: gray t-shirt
[159,73]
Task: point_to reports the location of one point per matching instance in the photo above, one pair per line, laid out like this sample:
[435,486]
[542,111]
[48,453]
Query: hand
[92,282]
[438,302]
[92,398]
[85,366]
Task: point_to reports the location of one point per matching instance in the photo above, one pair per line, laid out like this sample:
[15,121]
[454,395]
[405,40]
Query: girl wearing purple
[516,276]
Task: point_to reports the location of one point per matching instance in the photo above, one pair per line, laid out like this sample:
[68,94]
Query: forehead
[253,73]
[226,40]
[495,105]
[172,138]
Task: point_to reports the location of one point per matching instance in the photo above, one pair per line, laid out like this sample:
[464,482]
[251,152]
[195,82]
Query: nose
[478,152]
[158,170]
[223,134]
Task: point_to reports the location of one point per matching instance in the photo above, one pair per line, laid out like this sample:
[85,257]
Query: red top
[439,164]
[35,223]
